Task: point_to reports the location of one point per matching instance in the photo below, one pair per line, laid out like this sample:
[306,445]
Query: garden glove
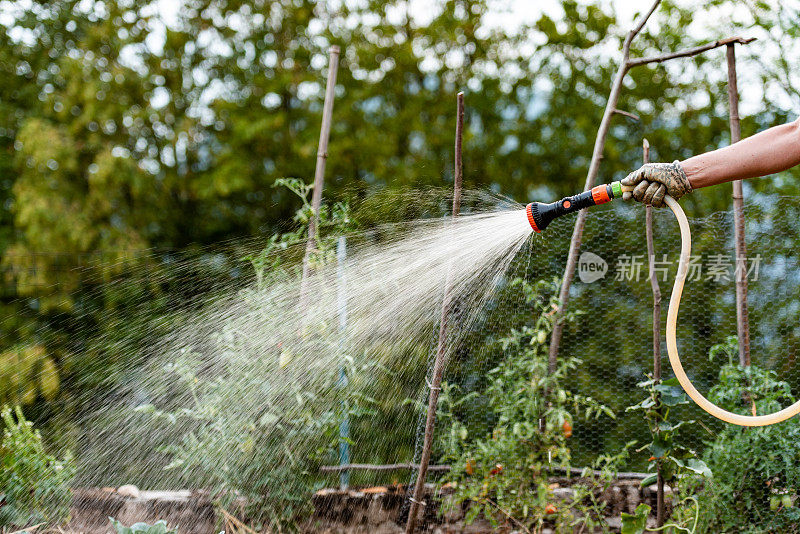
[653,181]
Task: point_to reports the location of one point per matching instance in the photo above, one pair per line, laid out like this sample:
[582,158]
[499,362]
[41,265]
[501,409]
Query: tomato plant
[503,474]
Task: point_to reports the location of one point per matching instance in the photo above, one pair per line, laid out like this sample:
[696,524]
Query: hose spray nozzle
[540,215]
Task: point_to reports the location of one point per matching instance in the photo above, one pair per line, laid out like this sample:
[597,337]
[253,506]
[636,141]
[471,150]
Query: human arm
[767,152]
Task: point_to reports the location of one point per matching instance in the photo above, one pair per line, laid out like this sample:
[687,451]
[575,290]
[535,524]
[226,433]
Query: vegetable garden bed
[355,511]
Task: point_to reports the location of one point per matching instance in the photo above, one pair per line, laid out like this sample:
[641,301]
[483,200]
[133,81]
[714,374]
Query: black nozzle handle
[540,215]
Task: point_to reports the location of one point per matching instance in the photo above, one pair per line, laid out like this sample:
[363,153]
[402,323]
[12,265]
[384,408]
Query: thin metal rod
[322,156]
[441,349]
[656,330]
[742,319]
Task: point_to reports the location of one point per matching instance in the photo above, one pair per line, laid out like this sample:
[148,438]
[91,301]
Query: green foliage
[34,486]
[27,373]
[104,154]
[676,462]
[596,478]
[503,475]
[635,523]
[756,484]
[665,449]
[270,453]
[332,221]
[160,527]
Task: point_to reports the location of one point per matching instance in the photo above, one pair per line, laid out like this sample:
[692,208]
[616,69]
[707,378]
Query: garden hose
[540,215]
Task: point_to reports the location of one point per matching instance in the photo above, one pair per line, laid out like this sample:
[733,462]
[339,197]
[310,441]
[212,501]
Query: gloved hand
[653,181]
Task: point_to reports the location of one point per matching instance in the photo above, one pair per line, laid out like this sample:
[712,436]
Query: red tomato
[567,427]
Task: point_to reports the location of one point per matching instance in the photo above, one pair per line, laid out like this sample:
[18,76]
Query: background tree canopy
[127,142]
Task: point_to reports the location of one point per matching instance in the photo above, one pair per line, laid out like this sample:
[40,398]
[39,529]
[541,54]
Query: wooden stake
[319,173]
[656,329]
[594,166]
[742,320]
[441,349]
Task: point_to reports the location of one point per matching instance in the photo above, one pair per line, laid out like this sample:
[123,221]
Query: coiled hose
[672,343]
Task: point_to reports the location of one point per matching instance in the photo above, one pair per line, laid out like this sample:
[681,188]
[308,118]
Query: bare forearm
[767,152]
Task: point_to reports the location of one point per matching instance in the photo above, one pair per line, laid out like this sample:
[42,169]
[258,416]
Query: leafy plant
[333,221]
[635,523]
[756,484]
[34,486]
[595,480]
[160,527]
[504,475]
[674,460]
[269,455]
[665,449]
[253,423]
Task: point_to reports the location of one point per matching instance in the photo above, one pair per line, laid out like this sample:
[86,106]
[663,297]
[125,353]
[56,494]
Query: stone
[633,499]
[129,490]
[388,527]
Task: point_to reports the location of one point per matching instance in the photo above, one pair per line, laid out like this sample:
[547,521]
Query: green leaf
[698,466]
[660,446]
[671,395]
[635,523]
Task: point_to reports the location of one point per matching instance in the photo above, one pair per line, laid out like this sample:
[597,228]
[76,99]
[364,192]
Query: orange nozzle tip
[529,213]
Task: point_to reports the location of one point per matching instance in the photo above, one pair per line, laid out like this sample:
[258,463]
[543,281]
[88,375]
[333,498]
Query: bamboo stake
[656,329]
[742,320]
[319,172]
[441,349]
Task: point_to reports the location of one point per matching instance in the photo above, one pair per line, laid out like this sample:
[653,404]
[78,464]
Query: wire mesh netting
[612,335]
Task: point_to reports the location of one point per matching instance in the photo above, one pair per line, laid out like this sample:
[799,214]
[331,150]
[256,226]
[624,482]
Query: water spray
[541,215]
